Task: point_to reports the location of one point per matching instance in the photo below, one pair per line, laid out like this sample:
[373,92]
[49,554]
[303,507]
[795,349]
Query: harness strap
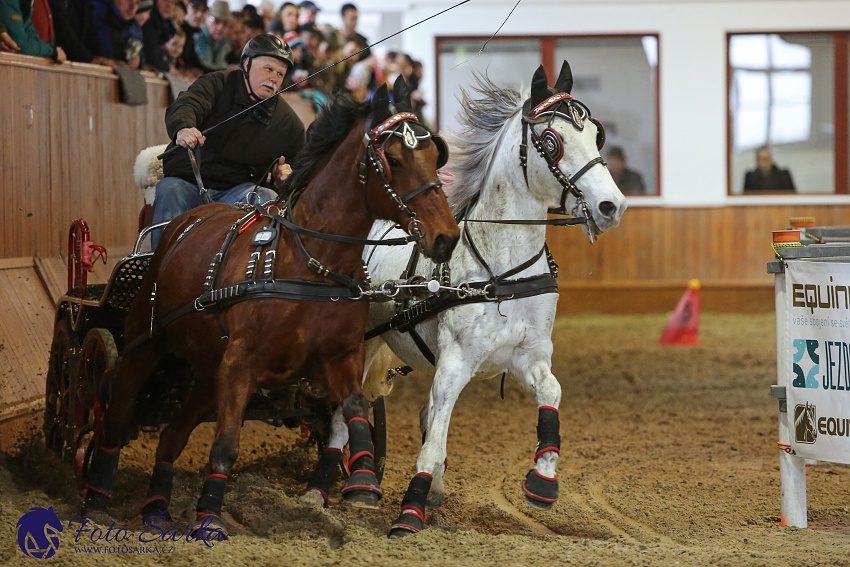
[194,158]
[427,308]
[436,184]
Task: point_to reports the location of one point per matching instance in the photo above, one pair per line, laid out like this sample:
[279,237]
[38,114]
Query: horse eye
[393,162]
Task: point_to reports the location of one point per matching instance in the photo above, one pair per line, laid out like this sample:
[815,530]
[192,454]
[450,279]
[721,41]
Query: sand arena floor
[668,458]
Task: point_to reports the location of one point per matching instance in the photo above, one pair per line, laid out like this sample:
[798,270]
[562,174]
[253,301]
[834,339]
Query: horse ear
[401,95]
[564,84]
[539,86]
[381,105]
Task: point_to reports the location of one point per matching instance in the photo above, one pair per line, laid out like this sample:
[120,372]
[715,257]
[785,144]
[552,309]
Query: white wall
[692,67]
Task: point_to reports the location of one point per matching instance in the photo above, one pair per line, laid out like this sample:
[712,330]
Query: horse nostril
[607,208]
[443,247]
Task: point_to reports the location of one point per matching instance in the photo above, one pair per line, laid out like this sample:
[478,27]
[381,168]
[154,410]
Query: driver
[236,154]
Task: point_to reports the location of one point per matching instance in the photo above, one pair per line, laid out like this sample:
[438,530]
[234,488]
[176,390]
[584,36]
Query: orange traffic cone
[682,327]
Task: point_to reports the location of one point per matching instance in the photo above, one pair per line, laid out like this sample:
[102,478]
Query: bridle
[550,145]
[406,126]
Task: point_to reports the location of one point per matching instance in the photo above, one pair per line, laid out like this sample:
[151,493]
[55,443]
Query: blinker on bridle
[550,145]
[406,126]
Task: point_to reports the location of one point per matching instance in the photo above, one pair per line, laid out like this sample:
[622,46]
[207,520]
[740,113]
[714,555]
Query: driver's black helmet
[268,45]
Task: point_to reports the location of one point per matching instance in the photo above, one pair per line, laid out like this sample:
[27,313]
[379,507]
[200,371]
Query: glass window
[508,63]
[616,77]
[781,97]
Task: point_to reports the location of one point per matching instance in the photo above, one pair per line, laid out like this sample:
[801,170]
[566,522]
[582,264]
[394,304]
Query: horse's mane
[331,126]
[486,108]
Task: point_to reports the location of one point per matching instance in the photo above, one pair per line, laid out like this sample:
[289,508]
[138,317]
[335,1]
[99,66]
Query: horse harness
[260,281]
[550,145]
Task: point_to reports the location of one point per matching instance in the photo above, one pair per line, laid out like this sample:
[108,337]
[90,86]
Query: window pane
[782,95]
[508,63]
[616,78]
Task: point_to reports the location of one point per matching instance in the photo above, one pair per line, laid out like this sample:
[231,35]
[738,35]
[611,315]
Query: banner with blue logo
[817,341]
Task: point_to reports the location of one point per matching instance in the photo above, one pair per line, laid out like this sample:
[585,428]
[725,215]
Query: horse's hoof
[405,525]
[156,509]
[210,528]
[98,516]
[363,499]
[95,505]
[434,499]
[538,504]
[540,492]
[314,499]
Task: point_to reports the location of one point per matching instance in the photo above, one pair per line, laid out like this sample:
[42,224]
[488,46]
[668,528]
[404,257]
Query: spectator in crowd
[157,30]
[42,21]
[6,42]
[196,12]
[265,10]
[136,28]
[307,12]
[349,32]
[74,27]
[179,16]
[16,16]
[288,15]
[237,154]
[767,176]
[254,26]
[112,22]
[172,51]
[211,43]
[628,180]
[236,37]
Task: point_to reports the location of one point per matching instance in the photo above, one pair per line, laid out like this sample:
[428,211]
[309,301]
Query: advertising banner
[817,341]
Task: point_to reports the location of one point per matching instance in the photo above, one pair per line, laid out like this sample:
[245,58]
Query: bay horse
[517,158]
[271,297]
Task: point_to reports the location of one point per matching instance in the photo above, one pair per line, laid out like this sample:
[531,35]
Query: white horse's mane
[485,109]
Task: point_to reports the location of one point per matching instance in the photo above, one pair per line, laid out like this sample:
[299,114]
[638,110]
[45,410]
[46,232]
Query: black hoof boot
[411,521]
[362,490]
[412,517]
[210,528]
[540,492]
[156,508]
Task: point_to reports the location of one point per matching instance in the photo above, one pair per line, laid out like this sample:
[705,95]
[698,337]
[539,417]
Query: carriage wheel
[90,398]
[64,351]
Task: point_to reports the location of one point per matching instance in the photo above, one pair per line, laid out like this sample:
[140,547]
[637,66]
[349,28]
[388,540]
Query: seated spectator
[254,26]
[6,41]
[767,176]
[288,16]
[236,157]
[179,16]
[211,43]
[16,16]
[157,30]
[628,180]
[136,29]
[72,22]
[42,21]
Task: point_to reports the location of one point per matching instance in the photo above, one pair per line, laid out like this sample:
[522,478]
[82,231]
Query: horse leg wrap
[540,492]
[212,495]
[325,472]
[362,461]
[159,492]
[101,481]
[412,518]
[548,431]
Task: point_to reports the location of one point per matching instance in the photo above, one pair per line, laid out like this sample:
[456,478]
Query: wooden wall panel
[74,157]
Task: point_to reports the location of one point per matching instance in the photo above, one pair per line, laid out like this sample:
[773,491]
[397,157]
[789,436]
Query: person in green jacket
[16,17]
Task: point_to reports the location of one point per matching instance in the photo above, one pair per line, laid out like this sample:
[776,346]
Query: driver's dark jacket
[239,150]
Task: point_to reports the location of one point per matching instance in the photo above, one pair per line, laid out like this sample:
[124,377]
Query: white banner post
[792,469]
